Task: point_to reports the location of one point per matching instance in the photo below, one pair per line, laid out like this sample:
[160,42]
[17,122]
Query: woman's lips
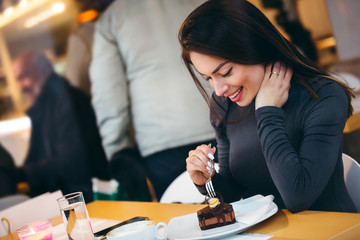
[236,96]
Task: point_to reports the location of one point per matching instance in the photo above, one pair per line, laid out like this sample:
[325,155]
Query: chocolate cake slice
[217,214]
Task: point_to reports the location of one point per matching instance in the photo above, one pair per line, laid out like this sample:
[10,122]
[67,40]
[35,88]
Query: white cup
[143,230]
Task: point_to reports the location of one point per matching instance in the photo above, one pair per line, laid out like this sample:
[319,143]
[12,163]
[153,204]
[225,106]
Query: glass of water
[75,217]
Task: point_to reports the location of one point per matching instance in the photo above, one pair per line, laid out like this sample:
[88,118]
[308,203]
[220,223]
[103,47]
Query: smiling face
[240,83]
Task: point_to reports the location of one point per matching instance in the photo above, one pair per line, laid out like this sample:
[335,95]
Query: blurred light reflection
[55,9]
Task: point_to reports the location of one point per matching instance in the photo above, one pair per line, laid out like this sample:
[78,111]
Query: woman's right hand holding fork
[200,164]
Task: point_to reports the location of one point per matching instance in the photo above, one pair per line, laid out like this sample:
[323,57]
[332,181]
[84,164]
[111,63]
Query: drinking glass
[75,217]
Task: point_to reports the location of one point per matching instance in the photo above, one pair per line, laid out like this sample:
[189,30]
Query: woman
[278,117]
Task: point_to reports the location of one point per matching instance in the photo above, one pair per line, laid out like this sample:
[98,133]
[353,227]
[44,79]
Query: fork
[208,185]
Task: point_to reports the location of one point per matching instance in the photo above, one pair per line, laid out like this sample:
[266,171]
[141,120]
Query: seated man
[65,145]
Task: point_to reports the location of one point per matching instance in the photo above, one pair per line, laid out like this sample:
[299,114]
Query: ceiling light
[8,11]
[23,3]
[58,7]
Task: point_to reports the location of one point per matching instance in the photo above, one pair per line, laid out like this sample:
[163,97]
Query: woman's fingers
[268,71]
[196,161]
[288,74]
[197,164]
[275,72]
[275,87]
[282,71]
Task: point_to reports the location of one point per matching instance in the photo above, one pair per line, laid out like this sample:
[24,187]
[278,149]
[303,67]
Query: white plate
[187,227]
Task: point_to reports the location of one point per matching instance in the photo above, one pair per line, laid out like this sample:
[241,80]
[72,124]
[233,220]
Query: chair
[15,136]
[353,81]
[182,190]
[352,179]
[11,200]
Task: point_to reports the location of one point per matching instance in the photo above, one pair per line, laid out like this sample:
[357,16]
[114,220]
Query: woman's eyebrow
[218,67]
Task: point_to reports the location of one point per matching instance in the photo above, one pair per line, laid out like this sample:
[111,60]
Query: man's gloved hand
[127,167]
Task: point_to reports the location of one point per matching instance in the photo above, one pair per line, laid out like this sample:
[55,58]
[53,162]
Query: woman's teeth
[235,94]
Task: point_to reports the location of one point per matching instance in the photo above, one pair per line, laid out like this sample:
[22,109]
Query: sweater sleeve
[109,89]
[301,175]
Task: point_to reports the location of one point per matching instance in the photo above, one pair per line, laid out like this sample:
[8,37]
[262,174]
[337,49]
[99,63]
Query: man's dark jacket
[65,145]
[8,175]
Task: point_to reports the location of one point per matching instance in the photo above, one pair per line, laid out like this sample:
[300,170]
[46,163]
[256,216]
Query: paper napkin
[97,224]
[251,209]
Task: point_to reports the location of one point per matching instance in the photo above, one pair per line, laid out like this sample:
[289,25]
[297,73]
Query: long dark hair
[237,31]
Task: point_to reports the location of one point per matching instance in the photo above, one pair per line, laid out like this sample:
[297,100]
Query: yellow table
[283,225]
[353,123]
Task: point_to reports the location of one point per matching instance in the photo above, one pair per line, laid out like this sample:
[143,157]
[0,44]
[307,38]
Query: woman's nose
[220,87]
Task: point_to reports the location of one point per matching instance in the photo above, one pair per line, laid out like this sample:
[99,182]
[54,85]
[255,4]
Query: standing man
[139,79]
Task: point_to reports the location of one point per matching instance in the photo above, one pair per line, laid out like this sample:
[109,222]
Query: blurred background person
[138,79]
[65,146]
[79,45]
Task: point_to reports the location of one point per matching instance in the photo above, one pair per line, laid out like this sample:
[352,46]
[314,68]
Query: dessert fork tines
[210,188]
[208,185]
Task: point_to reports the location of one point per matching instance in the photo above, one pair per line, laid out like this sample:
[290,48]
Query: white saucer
[187,227]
